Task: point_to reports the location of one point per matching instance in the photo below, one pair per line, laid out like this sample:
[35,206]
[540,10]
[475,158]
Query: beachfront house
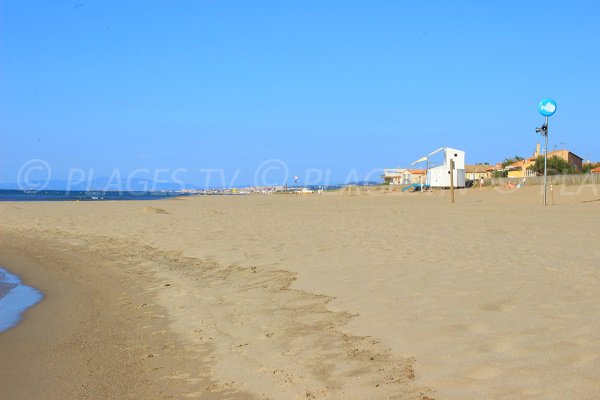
[520,169]
[393,176]
[403,176]
[478,171]
[595,170]
[438,167]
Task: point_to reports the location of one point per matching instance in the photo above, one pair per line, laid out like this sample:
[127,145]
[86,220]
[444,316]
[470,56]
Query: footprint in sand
[484,372]
[581,359]
[497,346]
[478,328]
[153,210]
[211,211]
[499,306]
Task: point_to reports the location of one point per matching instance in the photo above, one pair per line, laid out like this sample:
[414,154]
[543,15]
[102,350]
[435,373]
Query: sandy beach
[354,295]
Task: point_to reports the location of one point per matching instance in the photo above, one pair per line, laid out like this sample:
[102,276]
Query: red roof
[596,170]
[519,163]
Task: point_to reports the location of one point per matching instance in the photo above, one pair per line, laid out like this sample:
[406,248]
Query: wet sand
[347,296]
[89,338]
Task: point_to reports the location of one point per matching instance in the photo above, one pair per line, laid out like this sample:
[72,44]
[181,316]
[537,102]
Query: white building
[438,167]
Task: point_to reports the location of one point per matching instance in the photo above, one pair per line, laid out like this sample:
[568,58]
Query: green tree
[556,166]
[511,160]
[590,166]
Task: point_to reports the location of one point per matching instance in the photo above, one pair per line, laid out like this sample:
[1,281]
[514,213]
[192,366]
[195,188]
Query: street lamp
[547,108]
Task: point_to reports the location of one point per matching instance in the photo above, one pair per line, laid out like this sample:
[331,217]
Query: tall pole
[546,165]
[427,180]
[547,107]
[452,181]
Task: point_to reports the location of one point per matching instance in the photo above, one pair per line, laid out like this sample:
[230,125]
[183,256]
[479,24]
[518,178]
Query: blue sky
[338,86]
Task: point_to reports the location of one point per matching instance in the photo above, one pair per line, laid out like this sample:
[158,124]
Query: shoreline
[66,346]
[81,341]
[15,299]
[191,343]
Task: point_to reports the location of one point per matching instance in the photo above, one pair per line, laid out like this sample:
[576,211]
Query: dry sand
[338,296]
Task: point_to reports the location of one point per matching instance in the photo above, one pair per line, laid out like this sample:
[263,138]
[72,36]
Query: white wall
[440,176]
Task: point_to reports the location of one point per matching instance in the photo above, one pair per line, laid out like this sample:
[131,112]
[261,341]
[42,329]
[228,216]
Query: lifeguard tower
[438,167]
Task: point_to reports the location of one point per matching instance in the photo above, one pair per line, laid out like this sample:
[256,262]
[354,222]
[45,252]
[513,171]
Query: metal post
[427,178]
[452,181]
[546,165]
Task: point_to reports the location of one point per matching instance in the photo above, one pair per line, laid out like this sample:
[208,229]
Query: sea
[61,195]
[15,298]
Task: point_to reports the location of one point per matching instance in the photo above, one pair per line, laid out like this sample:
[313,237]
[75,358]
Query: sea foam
[15,298]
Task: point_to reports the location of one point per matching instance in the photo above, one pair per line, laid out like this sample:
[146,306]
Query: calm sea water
[59,195]
[15,298]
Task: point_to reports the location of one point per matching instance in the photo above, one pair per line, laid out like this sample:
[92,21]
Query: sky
[224,91]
